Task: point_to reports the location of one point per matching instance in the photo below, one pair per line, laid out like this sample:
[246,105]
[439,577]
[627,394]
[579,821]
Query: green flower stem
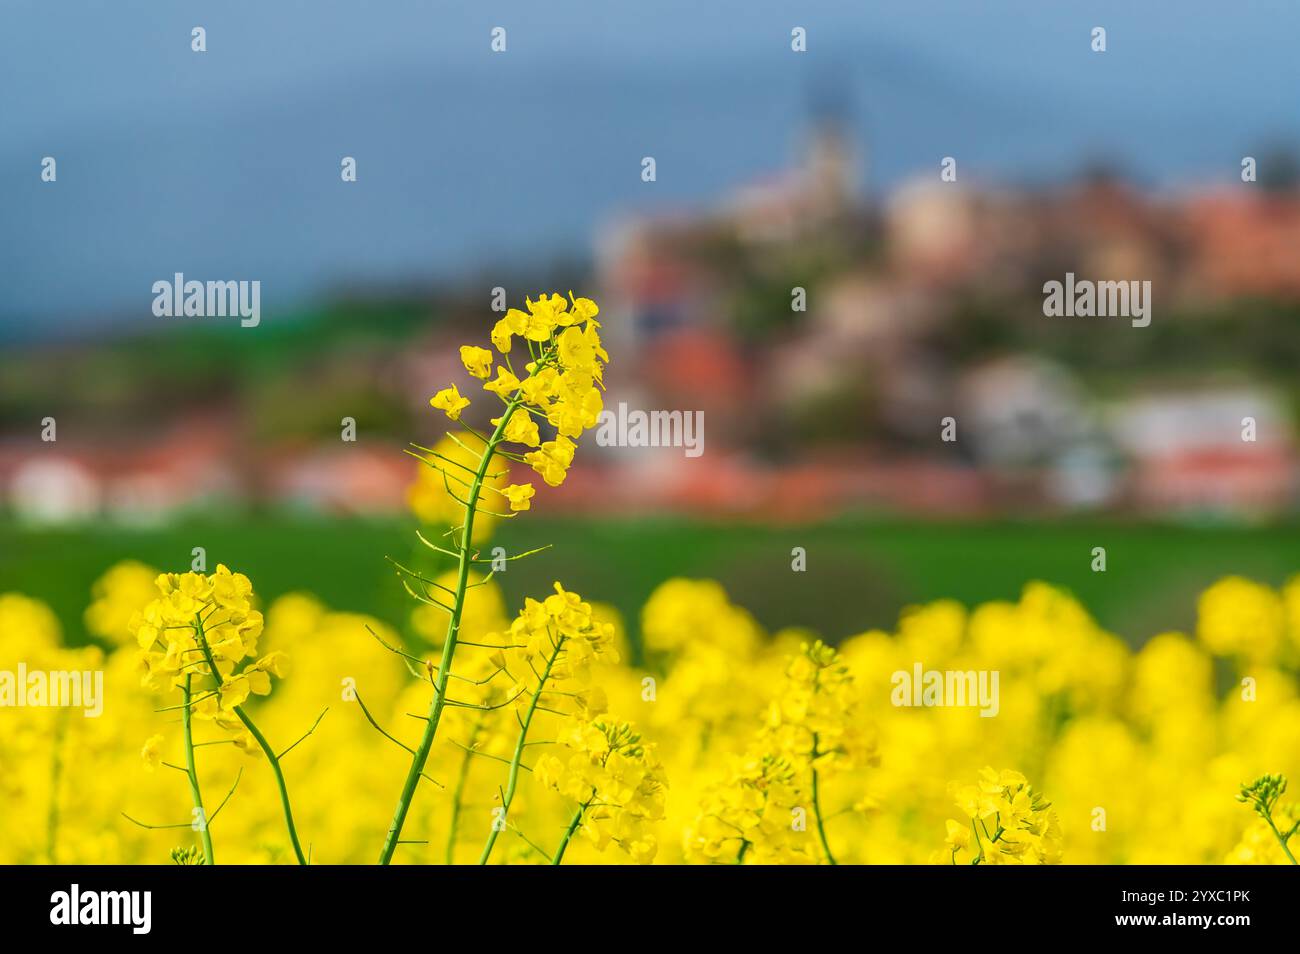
[817,808]
[457,794]
[257,735]
[568,834]
[449,646]
[519,752]
[192,774]
[1280,840]
[56,780]
[279,780]
[993,838]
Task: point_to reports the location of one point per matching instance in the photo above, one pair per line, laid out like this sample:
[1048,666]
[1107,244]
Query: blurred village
[921,304]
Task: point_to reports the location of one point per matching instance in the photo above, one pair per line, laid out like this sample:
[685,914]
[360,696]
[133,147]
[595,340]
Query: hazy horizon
[226,164]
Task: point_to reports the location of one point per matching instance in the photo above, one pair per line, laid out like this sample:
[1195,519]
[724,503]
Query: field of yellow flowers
[234,732]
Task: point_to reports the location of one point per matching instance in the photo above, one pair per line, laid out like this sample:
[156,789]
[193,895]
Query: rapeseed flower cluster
[616,780]
[817,717]
[205,626]
[1004,821]
[560,636]
[756,814]
[1268,840]
[814,727]
[559,383]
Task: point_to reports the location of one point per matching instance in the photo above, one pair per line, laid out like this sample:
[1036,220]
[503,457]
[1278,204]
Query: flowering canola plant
[560,385]
[476,732]
[199,637]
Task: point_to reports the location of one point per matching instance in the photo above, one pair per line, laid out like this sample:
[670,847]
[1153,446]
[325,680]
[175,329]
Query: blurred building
[825,334]
[1216,450]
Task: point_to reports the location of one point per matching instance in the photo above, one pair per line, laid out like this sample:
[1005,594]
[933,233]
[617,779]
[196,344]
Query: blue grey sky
[226,164]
